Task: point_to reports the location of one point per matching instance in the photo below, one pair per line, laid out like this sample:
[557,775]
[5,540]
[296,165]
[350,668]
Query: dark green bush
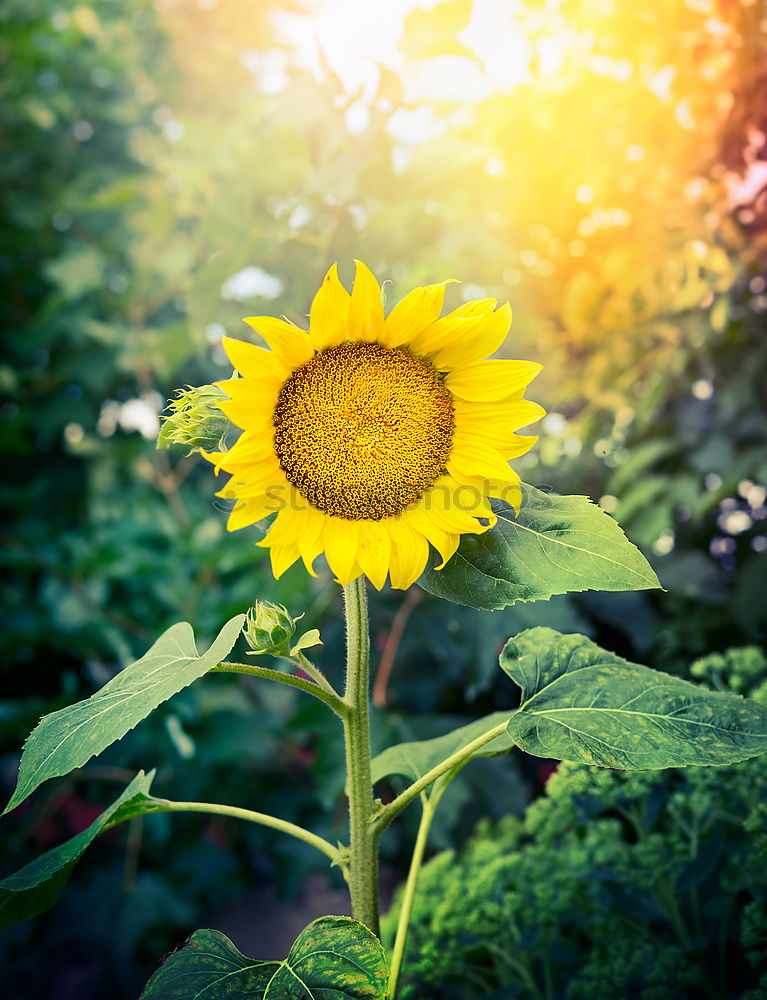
[615,885]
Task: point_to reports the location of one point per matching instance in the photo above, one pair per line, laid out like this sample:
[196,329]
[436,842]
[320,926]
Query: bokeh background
[168,167]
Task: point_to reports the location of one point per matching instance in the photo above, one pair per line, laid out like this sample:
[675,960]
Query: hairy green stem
[315,673]
[328,696]
[395,807]
[263,819]
[363,838]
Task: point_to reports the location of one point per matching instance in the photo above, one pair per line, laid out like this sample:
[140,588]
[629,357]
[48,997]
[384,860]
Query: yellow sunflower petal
[216,458]
[366,313]
[341,538]
[449,550]
[409,554]
[508,492]
[283,529]
[256,448]
[283,557]
[441,525]
[496,419]
[309,536]
[454,509]
[248,413]
[249,449]
[374,552]
[252,361]
[508,489]
[475,307]
[414,313]
[486,340]
[491,380]
[251,477]
[468,444]
[246,512]
[260,392]
[329,312]
[418,520]
[476,458]
[290,342]
[442,332]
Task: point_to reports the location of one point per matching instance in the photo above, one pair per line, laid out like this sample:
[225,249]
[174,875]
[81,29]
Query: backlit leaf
[69,738]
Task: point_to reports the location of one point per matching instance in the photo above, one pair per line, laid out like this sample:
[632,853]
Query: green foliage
[555,545]
[581,703]
[333,956]
[38,885]
[614,885]
[114,251]
[742,669]
[70,737]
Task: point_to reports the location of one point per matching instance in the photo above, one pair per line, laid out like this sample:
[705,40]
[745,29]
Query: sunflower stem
[363,838]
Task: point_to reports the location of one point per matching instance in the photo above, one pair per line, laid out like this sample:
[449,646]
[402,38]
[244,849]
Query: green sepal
[582,703]
[194,420]
[334,957]
[306,641]
[69,738]
[555,545]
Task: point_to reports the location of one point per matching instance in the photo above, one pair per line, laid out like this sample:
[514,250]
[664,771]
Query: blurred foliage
[616,884]
[170,167]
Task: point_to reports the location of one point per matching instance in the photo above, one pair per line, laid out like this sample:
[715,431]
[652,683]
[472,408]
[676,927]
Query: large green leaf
[334,958]
[37,886]
[419,757]
[556,545]
[69,738]
[581,703]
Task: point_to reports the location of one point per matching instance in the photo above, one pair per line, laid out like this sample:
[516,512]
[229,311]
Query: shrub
[615,885]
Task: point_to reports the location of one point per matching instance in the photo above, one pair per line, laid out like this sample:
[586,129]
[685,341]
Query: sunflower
[374,436]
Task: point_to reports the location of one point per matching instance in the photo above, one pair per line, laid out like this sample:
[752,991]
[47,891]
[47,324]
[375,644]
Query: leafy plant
[134,190]
[614,884]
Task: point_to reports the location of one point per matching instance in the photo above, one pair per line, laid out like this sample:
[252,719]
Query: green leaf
[334,957]
[69,738]
[555,546]
[581,703]
[37,886]
[419,757]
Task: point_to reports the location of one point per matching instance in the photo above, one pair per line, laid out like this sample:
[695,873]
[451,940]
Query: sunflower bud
[269,628]
[194,420]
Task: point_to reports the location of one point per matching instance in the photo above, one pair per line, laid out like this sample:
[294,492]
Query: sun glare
[354,41]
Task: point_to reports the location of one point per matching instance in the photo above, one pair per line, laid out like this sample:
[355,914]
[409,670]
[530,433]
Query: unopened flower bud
[195,420]
[269,628]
